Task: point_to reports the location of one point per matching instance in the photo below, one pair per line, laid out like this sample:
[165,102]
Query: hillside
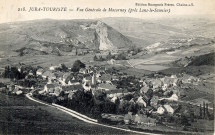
[207,59]
[144,32]
[58,37]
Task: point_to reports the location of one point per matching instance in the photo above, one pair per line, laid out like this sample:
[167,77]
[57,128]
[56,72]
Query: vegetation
[134,50]
[121,56]
[207,59]
[12,72]
[63,68]
[77,66]
[130,83]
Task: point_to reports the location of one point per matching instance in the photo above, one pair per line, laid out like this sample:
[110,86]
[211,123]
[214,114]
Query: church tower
[94,79]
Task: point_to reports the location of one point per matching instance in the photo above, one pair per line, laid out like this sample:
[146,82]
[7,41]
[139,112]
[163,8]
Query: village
[111,96]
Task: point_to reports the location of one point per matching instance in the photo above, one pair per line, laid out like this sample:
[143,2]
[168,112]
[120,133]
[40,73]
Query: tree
[64,68]
[77,66]
[117,102]
[121,56]
[109,56]
[184,121]
[76,51]
[200,111]
[12,72]
[95,58]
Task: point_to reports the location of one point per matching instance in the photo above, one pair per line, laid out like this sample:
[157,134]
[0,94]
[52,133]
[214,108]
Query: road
[85,118]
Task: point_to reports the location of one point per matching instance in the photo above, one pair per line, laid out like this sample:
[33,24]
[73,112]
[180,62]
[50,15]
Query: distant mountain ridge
[144,32]
[59,36]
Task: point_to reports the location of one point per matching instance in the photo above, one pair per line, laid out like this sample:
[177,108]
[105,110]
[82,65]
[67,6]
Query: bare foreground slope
[19,115]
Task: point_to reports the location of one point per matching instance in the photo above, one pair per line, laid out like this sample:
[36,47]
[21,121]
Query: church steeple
[94,79]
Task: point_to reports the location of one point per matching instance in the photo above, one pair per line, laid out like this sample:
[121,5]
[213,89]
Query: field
[134,71]
[153,63]
[44,60]
[204,125]
[22,116]
[157,59]
[151,67]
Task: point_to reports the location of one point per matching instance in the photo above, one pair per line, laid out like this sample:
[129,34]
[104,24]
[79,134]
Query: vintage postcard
[107,67]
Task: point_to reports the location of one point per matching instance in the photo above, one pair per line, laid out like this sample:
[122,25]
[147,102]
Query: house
[169,109]
[106,78]
[57,91]
[71,93]
[189,79]
[31,73]
[41,91]
[144,89]
[154,101]
[64,79]
[49,74]
[113,99]
[114,91]
[156,83]
[106,86]
[19,92]
[15,89]
[140,101]
[112,117]
[137,119]
[114,77]
[112,61]
[132,101]
[173,76]
[181,93]
[40,71]
[54,67]
[87,78]
[161,110]
[73,82]
[128,118]
[86,86]
[103,68]
[83,71]
[98,75]
[60,98]
[146,98]
[69,81]
[169,81]
[166,108]
[10,87]
[149,93]
[72,87]
[142,119]
[98,93]
[66,76]
[174,97]
[49,88]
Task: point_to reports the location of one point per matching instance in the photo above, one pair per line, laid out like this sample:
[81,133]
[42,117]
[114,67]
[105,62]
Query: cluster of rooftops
[97,80]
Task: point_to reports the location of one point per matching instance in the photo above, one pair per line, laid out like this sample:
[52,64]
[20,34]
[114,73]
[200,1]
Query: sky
[9,9]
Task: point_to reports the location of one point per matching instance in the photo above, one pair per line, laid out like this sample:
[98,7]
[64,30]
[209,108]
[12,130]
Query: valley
[138,74]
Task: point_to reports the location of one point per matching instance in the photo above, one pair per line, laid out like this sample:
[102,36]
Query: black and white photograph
[98,67]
